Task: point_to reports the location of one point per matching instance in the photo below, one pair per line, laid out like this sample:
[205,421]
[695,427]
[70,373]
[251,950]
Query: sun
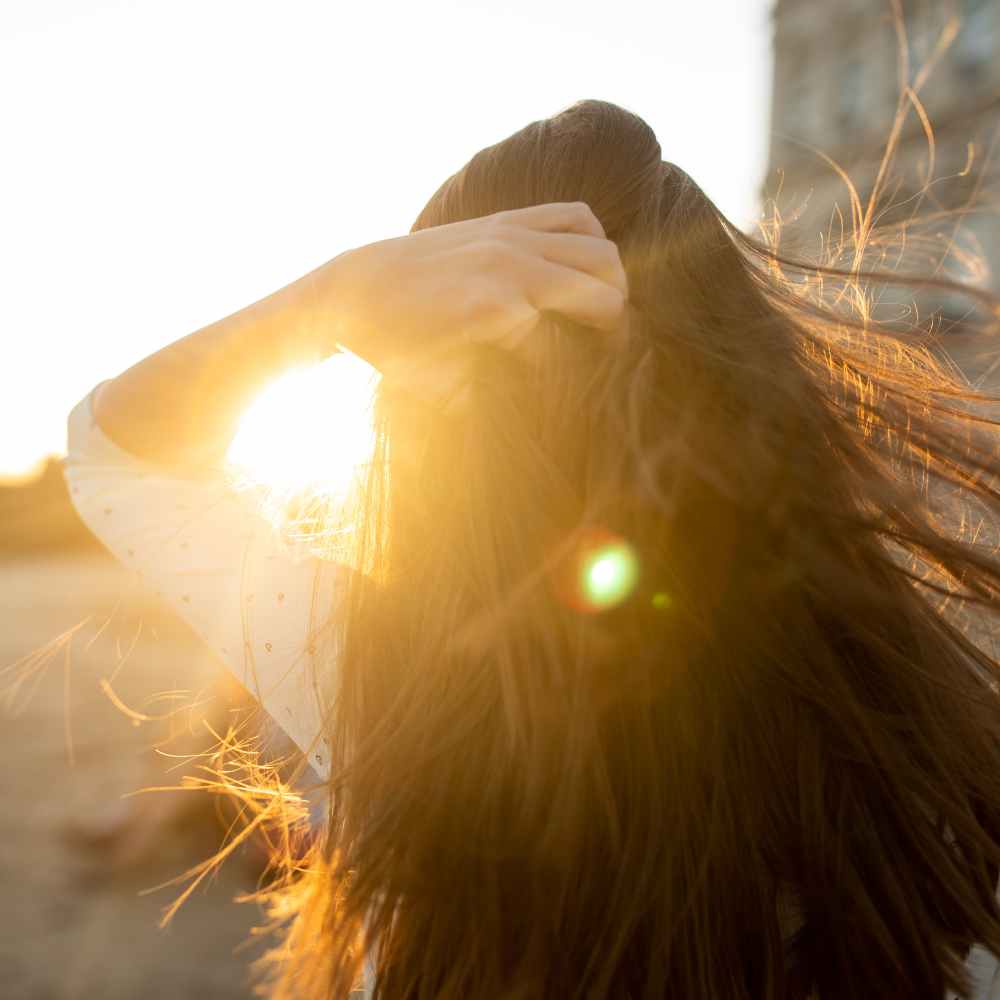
[311,430]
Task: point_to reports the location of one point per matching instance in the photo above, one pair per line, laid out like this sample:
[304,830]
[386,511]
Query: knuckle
[492,250]
[482,294]
[615,300]
[611,253]
[502,230]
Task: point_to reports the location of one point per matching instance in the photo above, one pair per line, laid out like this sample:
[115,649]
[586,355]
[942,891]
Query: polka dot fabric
[206,551]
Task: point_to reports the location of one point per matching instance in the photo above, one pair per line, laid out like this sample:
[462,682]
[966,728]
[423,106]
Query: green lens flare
[609,575]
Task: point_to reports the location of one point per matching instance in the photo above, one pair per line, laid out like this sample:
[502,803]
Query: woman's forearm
[180,406]
[393,303]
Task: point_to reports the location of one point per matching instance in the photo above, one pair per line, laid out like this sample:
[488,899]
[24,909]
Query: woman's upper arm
[205,551]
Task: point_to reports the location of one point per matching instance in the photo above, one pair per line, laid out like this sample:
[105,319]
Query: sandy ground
[69,928]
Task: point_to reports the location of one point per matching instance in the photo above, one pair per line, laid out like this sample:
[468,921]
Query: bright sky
[169,161]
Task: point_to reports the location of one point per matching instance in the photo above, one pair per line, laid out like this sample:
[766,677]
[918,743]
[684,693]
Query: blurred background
[169,162]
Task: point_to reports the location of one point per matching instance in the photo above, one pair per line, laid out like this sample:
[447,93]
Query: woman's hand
[410,305]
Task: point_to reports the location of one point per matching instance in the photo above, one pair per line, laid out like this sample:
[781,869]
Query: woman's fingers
[597,257]
[575,294]
[481,280]
[555,217]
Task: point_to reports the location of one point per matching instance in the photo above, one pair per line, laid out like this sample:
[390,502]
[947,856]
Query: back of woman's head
[651,692]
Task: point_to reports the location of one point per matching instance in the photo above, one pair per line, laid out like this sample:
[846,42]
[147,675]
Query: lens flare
[609,575]
[602,572]
[310,429]
[302,450]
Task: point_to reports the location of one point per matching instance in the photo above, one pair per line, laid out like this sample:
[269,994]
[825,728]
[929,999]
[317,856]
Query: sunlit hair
[660,679]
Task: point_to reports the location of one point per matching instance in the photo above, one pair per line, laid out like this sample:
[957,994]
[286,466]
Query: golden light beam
[309,430]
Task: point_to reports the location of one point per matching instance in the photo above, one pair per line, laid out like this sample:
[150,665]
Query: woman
[643,685]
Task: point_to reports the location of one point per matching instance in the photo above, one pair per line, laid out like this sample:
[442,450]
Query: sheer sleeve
[210,556]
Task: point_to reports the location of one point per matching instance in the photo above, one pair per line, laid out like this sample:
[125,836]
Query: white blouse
[204,549]
[265,611]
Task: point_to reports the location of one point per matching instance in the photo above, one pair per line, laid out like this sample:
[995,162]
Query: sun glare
[309,430]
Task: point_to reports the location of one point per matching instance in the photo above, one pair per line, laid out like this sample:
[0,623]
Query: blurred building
[836,86]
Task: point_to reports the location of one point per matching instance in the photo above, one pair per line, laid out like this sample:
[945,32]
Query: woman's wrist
[334,302]
[180,406]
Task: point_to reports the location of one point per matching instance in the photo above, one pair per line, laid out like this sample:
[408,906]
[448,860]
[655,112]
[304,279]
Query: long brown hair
[768,763]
